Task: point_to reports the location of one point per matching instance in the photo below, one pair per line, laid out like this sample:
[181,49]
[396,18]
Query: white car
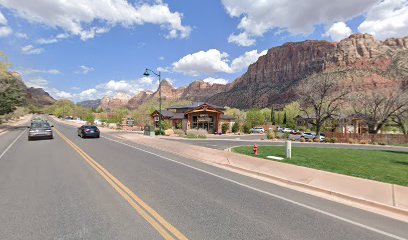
[287,130]
[257,130]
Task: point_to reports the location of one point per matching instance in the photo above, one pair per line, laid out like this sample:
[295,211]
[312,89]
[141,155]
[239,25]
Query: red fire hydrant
[255,149]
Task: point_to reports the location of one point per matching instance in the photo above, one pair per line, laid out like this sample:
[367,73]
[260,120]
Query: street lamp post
[146,73]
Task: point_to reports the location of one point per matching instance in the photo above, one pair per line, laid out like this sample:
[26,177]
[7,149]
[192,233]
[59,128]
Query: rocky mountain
[116,101]
[90,103]
[35,96]
[139,99]
[272,79]
[39,97]
[196,91]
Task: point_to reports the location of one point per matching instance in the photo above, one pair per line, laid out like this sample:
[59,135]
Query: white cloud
[388,18]
[243,61]
[85,69]
[202,62]
[88,94]
[89,18]
[5,31]
[213,61]
[43,41]
[36,82]
[30,49]
[30,71]
[241,39]
[338,31]
[59,94]
[21,35]
[216,80]
[295,17]
[130,87]
[3,20]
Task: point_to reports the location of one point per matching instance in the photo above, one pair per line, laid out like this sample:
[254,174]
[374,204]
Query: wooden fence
[368,138]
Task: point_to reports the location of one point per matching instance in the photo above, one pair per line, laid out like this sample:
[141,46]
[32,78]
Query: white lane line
[12,143]
[267,193]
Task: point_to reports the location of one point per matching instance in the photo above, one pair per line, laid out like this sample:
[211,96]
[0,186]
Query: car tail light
[86,130]
[97,130]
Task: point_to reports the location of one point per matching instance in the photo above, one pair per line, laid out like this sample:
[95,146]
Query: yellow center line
[151,216]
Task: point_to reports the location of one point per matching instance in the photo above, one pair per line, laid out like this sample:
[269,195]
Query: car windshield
[40,125]
[90,127]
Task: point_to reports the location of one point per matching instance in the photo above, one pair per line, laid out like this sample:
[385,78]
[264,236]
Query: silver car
[40,130]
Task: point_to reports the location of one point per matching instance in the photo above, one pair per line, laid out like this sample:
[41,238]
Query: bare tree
[401,119]
[325,94]
[377,106]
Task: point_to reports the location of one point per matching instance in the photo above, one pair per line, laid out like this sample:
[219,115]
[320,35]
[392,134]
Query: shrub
[194,133]
[179,132]
[316,139]
[224,128]
[270,135]
[352,141]
[332,140]
[310,140]
[157,131]
[301,139]
[245,128]
[235,127]
[202,133]
[363,141]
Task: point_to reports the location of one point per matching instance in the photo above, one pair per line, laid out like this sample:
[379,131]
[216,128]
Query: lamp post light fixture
[146,73]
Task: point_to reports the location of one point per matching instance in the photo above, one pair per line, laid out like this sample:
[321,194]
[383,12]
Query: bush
[202,133]
[352,141]
[235,127]
[310,140]
[301,139]
[270,135]
[332,140]
[245,128]
[179,132]
[363,141]
[194,133]
[157,131]
[224,128]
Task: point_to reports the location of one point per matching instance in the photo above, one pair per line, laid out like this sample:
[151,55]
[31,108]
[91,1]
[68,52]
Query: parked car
[88,131]
[287,130]
[257,130]
[308,135]
[296,132]
[312,135]
[40,129]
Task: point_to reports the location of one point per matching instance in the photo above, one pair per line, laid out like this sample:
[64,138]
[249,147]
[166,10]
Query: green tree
[273,120]
[90,118]
[255,117]
[12,94]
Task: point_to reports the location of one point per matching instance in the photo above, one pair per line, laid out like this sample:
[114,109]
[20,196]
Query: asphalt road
[49,190]
[228,143]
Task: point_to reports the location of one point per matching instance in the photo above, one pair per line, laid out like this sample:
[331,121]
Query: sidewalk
[387,199]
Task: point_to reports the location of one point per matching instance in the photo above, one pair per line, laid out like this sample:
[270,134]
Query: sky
[86,49]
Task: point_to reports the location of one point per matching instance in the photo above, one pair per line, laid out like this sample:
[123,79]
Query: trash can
[149,131]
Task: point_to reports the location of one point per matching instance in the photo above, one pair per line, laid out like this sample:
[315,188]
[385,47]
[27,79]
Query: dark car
[88,131]
[40,130]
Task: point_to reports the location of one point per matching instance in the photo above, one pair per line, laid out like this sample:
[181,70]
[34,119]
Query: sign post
[288,147]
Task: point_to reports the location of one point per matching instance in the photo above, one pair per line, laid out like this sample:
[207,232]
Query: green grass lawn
[380,165]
